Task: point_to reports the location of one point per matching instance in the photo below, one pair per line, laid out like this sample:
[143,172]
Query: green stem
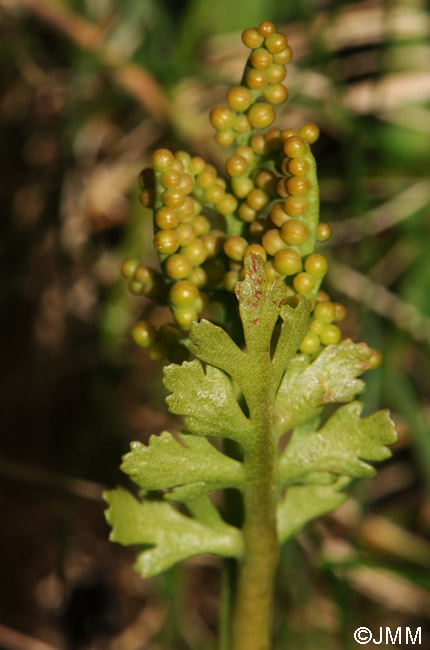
[251,628]
[225,605]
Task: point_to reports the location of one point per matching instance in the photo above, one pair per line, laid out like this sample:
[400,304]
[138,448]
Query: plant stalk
[252,615]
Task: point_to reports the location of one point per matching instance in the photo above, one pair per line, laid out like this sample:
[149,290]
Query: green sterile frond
[308,385]
[302,503]
[189,467]
[166,535]
[294,326]
[343,446]
[207,397]
[212,344]
[207,401]
[259,304]
[203,510]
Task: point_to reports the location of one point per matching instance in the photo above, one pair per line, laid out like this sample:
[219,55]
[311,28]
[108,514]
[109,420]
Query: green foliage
[206,400]
[302,504]
[331,377]
[190,466]
[171,535]
[340,447]
[316,463]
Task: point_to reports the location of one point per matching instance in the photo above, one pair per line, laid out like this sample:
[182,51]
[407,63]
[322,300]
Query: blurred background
[88,89]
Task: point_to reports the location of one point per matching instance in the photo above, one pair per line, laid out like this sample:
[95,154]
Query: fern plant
[265,361]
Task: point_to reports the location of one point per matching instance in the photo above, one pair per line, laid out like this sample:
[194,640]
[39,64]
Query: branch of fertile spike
[269,206]
[264,72]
